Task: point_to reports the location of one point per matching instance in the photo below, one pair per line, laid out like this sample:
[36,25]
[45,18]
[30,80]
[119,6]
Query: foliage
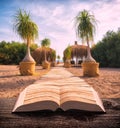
[85,25]
[85,29]
[25,27]
[67,53]
[58,57]
[53,55]
[107,51]
[45,42]
[13,52]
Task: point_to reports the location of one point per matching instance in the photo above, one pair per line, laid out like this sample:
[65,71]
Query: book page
[78,97]
[39,97]
[76,93]
[41,93]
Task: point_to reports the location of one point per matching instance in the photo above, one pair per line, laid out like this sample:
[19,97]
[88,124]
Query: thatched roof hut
[77,51]
[39,54]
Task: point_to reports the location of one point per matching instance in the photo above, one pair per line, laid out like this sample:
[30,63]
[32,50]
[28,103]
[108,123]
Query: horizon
[55,19]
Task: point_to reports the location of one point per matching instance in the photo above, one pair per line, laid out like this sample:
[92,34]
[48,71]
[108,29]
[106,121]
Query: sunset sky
[56,19]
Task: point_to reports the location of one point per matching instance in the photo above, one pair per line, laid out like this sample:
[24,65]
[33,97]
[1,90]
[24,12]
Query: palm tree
[27,30]
[85,29]
[45,43]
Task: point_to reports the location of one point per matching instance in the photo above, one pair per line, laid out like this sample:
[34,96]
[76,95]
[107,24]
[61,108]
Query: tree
[53,54]
[45,43]
[13,52]
[107,50]
[68,53]
[27,30]
[58,57]
[85,29]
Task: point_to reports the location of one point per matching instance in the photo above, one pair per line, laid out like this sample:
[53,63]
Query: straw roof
[78,51]
[39,54]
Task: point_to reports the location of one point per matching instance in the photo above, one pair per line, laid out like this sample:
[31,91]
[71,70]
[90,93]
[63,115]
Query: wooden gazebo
[39,54]
[78,52]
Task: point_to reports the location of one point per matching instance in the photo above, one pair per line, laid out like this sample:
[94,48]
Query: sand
[107,84]
[12,83]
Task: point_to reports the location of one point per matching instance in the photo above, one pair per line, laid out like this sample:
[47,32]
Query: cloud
[56,19]
[108,16]
[58,11]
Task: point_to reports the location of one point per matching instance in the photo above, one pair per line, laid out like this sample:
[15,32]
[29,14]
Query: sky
[56,19]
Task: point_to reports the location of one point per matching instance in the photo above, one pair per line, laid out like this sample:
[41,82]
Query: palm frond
[45,42]
[24,26]
[85,25]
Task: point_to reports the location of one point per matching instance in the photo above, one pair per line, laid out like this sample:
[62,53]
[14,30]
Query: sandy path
[11,83]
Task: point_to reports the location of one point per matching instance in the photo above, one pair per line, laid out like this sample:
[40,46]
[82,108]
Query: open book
[46,96]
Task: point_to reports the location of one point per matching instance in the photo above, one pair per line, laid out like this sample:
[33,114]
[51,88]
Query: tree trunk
[89,57]
[45,56]
[76,61]
[28,57]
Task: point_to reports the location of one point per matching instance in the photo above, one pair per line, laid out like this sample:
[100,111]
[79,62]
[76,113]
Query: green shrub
[107,51]
[13,53]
